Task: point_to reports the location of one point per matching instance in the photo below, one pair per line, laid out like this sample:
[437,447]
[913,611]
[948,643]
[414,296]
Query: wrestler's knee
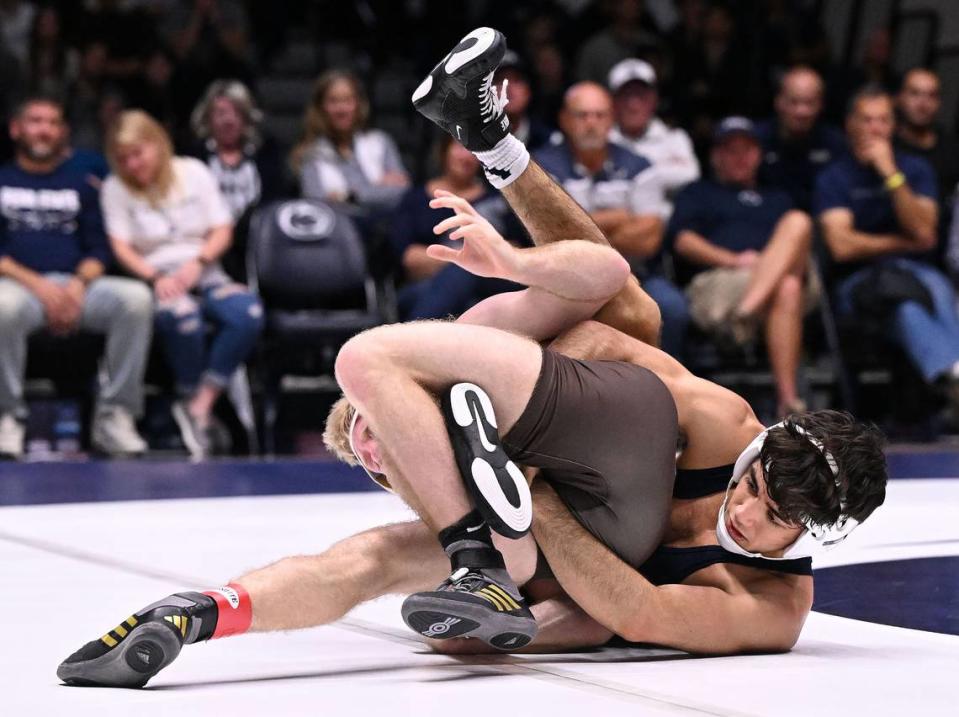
[360,361]
[634,313]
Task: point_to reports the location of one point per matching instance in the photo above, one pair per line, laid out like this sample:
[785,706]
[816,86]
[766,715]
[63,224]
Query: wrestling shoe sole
[497,485]
[439,617]
[142,654]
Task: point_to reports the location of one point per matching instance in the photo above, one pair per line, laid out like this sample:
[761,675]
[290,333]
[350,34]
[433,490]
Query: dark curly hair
[800,480]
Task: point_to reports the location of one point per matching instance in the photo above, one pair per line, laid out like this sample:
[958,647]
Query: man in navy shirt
[53,253]
[796,144]
[744,250]
[918,131]
[878,212]
[622,193]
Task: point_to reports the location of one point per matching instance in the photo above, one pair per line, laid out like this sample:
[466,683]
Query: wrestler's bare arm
[701,405]
[551,215]
[563,625]
[568,281]
[713,620]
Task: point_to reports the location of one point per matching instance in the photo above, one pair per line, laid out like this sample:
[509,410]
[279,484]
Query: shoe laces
[464,581]
[492,101]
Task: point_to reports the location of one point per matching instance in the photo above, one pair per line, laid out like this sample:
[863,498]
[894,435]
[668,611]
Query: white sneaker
[195,436]
[11,436]
[115,433]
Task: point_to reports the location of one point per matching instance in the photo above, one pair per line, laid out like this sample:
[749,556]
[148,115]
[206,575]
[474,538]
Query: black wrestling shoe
[458,94]
[134,651]
[496,484]
[469,604]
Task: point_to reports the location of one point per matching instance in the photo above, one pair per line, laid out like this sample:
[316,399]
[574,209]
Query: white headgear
[815,537]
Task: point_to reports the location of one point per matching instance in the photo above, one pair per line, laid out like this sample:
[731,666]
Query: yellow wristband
[894,181]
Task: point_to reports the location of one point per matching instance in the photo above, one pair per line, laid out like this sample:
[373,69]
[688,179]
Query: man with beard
[53,254]
[918,131]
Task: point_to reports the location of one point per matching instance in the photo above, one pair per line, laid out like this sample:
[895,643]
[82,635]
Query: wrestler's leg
[391,374]
[296,592]
[549,215]
[309,590]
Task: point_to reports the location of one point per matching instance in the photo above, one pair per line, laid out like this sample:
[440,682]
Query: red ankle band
[235,611]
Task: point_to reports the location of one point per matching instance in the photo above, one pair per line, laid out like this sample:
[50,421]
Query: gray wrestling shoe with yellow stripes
[469,603]
[134,651]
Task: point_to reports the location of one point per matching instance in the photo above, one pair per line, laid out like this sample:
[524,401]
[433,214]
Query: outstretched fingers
[456,221]
[442,252]
[447,200]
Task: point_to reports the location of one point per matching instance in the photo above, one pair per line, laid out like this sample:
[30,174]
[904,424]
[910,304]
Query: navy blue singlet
[673,565]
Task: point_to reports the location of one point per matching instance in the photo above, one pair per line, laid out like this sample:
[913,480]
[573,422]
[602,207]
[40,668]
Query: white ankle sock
[505,162]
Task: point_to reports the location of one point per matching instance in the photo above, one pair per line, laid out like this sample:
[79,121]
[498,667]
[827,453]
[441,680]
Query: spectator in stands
[436,289]
[247,165]
[86,95]
[710,77]
[918,132]
[636,98]
[529,130]
[159,93]
[209,40]
[54,65]
[16,19]
[743,252]
[622,193]
[547,65]
[126,34]
[877,207]
[796,143]
[53,255]
[874,67]
[626,36]
[339,160]
[169,225]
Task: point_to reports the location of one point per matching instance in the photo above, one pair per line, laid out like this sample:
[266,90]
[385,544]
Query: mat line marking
[382,632]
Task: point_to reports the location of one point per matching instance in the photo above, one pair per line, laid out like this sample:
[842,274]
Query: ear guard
[815,537]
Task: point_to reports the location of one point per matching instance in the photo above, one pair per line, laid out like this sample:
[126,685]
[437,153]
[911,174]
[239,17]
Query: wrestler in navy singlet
[673,565]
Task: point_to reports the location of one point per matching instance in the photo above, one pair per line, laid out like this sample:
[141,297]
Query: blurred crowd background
[201,199]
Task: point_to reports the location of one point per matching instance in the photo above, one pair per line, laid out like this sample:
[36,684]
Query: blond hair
[136,127]
[336,435]
[315,122]
[241,98]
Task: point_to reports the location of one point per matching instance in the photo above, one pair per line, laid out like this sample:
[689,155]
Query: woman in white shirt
[169,225]
[339,160]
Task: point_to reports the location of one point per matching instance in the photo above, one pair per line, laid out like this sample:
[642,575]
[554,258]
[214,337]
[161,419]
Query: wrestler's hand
[484,253]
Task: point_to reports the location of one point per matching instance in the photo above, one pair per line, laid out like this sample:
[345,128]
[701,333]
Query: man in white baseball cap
[636,99]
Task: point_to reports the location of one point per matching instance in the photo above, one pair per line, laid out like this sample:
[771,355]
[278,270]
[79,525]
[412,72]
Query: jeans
[119,308]
[674,310]
[181,327]
[931,341]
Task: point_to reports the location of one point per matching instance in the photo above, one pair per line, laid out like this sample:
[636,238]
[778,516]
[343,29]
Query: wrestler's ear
[371,457]
[367,446]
